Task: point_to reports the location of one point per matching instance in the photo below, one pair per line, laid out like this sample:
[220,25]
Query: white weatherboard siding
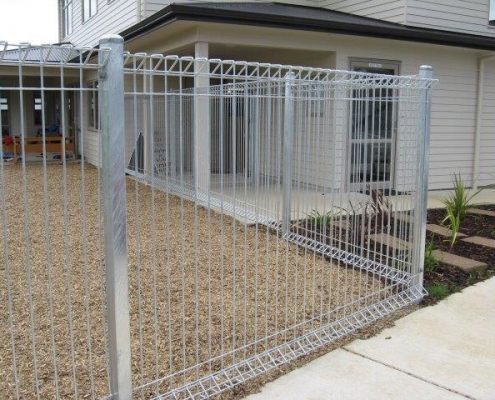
[487,142]
[110,18]
[152,6]
[388,10]
[467,16]
[92,150]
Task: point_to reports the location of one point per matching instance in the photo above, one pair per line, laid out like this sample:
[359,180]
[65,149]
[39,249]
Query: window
[93,116]
[4,107]
[38,110]
[491,12]
[67,17]
[373,129]
[89,9]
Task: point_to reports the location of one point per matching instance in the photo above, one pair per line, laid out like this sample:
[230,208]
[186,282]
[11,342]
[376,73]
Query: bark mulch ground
[446,279]
[200,285]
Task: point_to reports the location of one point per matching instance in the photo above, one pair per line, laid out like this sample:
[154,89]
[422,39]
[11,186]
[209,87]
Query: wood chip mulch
[200,285]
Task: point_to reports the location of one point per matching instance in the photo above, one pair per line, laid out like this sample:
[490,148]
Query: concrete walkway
[442,352]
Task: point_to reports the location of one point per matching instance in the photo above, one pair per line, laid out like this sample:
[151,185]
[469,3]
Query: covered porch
[40,112]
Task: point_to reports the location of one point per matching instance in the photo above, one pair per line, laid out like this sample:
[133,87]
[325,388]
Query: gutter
[357,27]
[479,117]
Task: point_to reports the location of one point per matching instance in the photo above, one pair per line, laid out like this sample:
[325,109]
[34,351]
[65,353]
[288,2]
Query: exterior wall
[454,100]
[454,15]
[110,18]
[90,138]
[91,143]
[388,10]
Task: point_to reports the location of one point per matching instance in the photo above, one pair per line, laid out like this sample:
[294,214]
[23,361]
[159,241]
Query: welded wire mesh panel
[52,307]
[278,208]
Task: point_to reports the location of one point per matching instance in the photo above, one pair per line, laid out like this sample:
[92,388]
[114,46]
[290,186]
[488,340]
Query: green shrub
[438,291]
[457,205]
[454,224]
[459,201]
[431,263]
[319,220]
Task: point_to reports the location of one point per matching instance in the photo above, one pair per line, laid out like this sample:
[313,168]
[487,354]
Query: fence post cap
[426,71]
[112,39]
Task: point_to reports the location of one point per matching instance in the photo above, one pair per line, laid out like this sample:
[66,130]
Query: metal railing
[232,217]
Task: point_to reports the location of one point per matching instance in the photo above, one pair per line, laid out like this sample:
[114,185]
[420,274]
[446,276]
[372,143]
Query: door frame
[373,64]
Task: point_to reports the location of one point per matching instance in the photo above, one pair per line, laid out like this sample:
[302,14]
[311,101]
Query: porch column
[201,141]
[146,126]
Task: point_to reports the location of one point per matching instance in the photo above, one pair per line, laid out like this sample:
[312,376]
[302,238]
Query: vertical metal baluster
[7,266]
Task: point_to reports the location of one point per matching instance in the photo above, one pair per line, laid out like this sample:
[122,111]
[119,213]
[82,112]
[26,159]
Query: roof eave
[178,12]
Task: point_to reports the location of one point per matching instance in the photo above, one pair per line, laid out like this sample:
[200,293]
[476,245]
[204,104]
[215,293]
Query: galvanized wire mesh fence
[267,210]
[52,292]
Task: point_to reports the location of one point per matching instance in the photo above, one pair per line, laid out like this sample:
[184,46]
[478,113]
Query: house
[388,36]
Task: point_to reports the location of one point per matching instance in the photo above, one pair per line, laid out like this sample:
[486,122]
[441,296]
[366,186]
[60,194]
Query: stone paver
[479,211]
[389,240]
[341,224]
[482,241]
[441,230]
[465,264]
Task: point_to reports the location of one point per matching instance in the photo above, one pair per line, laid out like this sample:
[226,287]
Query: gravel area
[201,285]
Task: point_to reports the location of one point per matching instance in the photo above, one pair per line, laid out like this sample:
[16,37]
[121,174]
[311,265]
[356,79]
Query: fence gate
[178,226]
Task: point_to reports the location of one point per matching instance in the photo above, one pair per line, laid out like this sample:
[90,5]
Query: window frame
[93,110]
[38,109]
[378,64]
[5,108]
[67,17]
[92,6]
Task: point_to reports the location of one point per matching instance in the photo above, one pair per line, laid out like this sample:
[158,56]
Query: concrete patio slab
[342,375]
[450,344]
[437,197]
[479,211]
[441,230]
[482,241]
[465,264]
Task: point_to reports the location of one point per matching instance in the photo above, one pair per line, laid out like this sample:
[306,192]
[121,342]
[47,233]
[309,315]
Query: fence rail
[222,218]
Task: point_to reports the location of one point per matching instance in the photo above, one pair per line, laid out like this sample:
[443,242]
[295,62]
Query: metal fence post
[114,205]
[426,72]
[287,157]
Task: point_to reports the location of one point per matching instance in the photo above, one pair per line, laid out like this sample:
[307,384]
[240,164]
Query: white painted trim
[479,116]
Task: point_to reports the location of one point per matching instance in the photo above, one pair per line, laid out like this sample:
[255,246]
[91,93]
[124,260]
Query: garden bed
[446,279]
